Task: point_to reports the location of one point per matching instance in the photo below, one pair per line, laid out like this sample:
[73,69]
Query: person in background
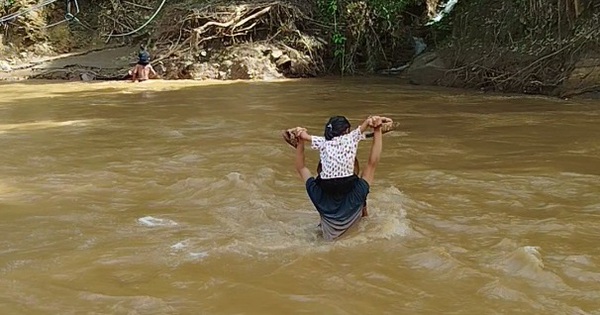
[143,69]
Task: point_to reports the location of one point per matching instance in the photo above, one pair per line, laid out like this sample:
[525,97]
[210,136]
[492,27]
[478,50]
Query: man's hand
[376,122]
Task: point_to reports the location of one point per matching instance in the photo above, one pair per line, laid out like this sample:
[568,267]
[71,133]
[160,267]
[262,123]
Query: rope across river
[143,25]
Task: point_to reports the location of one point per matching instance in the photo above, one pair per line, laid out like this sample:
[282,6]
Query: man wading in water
[143,69]
[338,194]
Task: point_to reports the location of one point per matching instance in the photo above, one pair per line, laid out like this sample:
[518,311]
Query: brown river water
[181,198]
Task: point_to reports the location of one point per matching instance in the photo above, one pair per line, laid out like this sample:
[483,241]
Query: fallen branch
[536,62]
[253,16]
[186,30]
[138,5]
[590,89]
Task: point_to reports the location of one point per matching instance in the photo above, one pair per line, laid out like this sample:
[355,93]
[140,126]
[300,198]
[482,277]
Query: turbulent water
[181,198]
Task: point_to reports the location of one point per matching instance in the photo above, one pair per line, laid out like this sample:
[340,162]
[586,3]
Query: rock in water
[426,69]
[87,77]
[4,66]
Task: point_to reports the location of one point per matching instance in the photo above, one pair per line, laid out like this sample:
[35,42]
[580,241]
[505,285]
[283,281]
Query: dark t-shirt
[338,212]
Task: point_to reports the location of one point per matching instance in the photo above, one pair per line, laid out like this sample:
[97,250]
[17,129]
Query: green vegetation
[525,46]
[513,45]
[370,34]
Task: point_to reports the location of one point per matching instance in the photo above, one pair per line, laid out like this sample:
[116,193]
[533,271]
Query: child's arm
[357,134]
[368,122]
[152,70]
[303,134]
[315,141]
[134,74]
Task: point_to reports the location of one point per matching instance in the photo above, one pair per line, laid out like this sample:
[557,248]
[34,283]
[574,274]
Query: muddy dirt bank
[270,40]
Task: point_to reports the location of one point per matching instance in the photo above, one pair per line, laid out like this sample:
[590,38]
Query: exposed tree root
[532,64]
[204,30]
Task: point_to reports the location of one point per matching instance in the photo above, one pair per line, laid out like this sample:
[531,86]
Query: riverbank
[46,87]
[80,78]
[248,62]
[271,40]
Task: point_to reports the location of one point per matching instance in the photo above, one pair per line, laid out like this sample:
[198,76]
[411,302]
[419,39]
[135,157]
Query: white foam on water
[251,229]
[45,124]
[582,273]
[236,177]
[180,245]
[133,304]
[152,221]
[497,290]
[87,244]
[253,224]
[174,133]
[434,258]
[190,158]
[526,263]
[199,255]
[388,215]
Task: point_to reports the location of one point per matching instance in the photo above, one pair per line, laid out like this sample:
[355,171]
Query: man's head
[143,57]
[336,126]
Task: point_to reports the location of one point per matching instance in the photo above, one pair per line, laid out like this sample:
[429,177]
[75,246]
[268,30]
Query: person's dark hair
[336,126]
[143,56]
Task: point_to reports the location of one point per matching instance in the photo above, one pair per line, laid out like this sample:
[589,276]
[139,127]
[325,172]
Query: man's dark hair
[143,56]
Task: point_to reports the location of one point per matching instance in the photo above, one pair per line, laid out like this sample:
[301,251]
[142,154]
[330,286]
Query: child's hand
[301,133]
[373,120]
[377,121]
[370,121]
